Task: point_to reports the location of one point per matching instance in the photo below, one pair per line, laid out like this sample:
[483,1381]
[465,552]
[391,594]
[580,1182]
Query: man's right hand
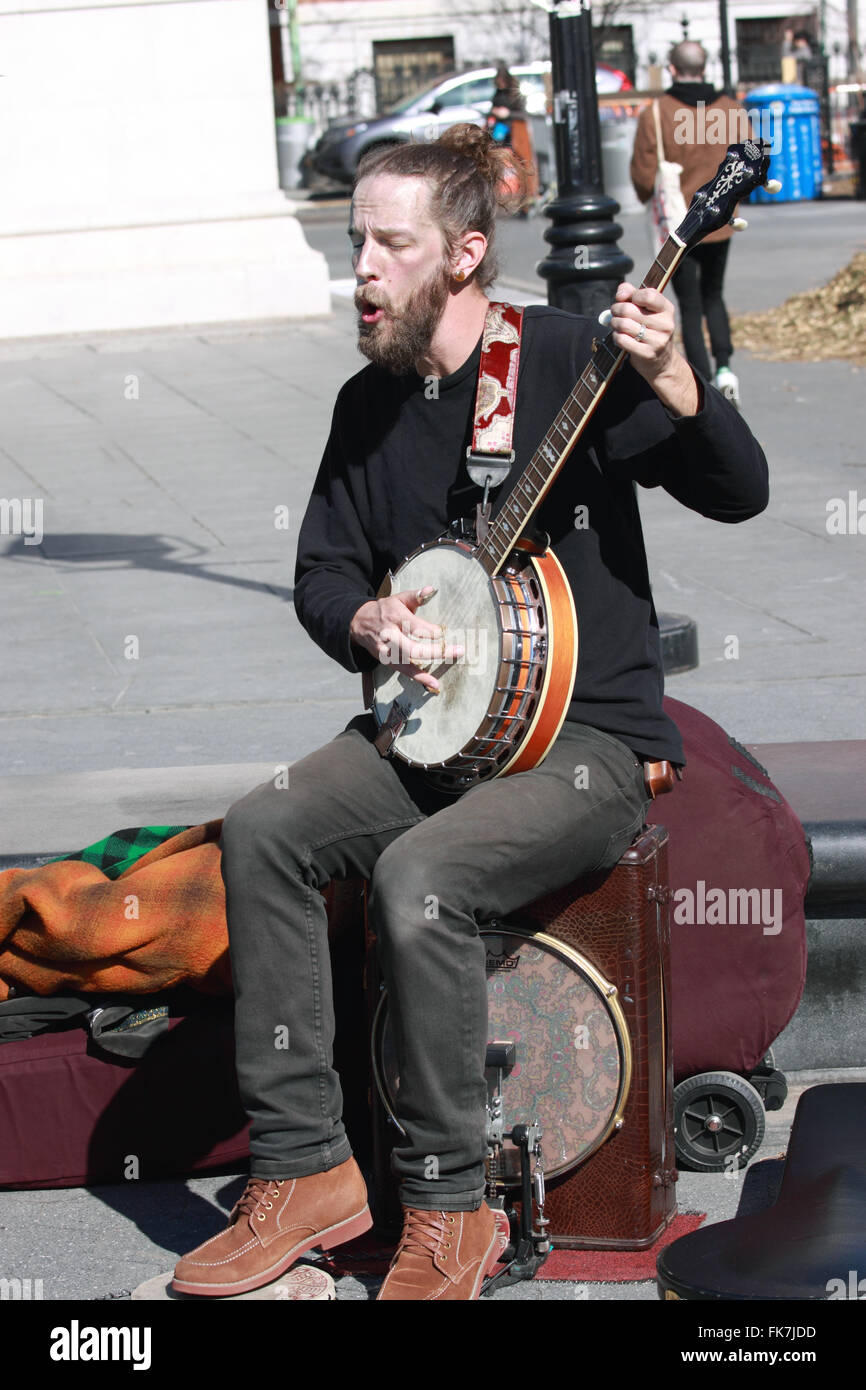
[390,629]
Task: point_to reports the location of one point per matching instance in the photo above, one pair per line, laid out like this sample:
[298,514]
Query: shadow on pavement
[153,552]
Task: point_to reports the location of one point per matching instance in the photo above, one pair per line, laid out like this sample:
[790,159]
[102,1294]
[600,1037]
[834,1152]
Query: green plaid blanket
[119,850]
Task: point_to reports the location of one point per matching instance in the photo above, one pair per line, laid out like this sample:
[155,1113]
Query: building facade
[139,170]
[385,48]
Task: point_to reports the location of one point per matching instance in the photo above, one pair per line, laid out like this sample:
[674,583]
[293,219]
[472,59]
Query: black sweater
[393,476]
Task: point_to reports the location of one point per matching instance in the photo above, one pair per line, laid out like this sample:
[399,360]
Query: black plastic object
[501,1056]
[679,643]
[771,1085]
[807,1244]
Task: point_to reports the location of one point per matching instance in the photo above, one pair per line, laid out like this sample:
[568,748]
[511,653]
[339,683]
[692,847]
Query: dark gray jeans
[438,867]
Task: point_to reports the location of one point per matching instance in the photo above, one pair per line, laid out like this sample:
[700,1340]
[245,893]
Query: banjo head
[573,1052]
[465,606]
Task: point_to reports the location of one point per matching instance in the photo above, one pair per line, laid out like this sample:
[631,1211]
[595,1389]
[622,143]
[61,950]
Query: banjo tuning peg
[739,224]
[773,186]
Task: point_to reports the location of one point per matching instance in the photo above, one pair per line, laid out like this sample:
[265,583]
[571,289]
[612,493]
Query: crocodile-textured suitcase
[624,1195]
[596,951]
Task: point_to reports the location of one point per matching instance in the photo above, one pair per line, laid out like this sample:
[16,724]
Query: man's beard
[398,341]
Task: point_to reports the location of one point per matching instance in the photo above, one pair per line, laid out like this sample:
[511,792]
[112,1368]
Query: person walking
[508,125]
[697,125]
[797,44]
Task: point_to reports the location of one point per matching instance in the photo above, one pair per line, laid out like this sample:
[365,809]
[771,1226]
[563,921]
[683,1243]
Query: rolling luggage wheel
[718,1121]
[770,1083]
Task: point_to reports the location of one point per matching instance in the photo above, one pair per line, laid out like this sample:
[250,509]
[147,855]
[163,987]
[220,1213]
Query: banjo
[500,591]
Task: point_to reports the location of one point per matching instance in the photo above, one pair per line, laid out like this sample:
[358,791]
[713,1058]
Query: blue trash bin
[789,117]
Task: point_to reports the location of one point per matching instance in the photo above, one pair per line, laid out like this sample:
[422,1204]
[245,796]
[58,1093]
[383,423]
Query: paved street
[152,655]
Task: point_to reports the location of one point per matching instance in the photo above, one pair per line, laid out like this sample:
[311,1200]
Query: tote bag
[667,206]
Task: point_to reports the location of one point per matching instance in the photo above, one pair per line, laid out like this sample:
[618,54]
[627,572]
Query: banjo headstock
[743,169]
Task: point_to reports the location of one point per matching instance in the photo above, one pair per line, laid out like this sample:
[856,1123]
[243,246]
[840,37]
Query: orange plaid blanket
[66,926]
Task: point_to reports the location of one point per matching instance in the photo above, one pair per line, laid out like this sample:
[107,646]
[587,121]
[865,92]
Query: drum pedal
[529,1244]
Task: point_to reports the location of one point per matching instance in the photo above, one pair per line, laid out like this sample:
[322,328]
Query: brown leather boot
[274,1223]
[444,1255]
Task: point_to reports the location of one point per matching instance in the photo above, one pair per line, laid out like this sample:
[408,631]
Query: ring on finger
[435,654]
[641,334]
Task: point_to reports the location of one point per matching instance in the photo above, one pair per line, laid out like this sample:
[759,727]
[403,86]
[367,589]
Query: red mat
[616,1266]
[371,1255]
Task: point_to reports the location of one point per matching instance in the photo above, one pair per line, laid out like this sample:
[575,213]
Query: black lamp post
[726,48]
[585,264]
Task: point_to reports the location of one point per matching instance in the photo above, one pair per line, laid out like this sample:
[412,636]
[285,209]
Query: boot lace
[255,1192]
[423,1231]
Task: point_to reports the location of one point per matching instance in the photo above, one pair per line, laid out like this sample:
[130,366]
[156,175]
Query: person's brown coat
[695,137]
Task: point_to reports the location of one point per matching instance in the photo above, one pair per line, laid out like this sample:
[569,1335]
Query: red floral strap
[496,393]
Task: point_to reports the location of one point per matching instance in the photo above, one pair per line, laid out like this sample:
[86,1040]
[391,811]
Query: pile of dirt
[814,326]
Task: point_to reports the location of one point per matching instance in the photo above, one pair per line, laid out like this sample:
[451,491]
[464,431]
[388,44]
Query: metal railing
[321,102]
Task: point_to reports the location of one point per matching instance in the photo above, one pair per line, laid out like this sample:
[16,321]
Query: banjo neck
[550,456]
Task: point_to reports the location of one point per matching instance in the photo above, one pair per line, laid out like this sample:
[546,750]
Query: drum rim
[610,996]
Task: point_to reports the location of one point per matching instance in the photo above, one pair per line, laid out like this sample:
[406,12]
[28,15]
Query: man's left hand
[643,324]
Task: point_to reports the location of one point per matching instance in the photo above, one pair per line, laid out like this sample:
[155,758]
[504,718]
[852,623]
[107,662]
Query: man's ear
[470,254]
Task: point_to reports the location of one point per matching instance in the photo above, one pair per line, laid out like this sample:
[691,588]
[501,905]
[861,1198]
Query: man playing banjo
[439,863]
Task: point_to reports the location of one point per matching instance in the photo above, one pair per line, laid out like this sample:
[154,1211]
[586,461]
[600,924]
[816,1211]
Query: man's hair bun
[496,164]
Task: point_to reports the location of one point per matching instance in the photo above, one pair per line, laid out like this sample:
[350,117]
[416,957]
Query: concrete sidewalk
[153,627]
[154,669]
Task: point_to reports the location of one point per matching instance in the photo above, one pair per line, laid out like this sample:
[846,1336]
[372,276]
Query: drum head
[439,727]
[573,1054]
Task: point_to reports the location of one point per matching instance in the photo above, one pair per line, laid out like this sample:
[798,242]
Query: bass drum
[573,1063]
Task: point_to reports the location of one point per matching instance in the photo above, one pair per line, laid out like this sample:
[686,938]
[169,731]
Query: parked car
[465,96]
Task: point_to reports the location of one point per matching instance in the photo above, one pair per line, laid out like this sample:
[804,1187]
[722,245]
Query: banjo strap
[491,454]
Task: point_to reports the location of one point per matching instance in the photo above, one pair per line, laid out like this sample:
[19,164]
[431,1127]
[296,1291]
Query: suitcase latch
[666,1178]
